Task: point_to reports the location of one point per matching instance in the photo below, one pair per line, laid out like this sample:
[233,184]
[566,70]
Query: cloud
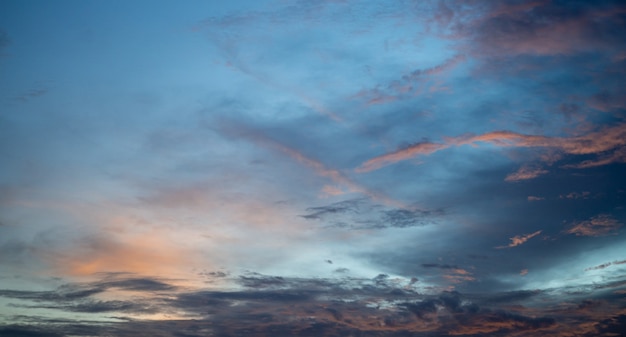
[535,198]
[501,322]
[363,213]
[605,265]
[317,213]
[524,173]
[543,28]
[84,297]
[607,101]
[269,305]
[259,138]
[134,253]
[406,86]
[440,266]
[519,239]
[28,331]
[423,148]
[599,225]
[576,195]
[601,142]
[617,156]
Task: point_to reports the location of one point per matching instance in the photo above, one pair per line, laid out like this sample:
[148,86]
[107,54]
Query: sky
[312,168]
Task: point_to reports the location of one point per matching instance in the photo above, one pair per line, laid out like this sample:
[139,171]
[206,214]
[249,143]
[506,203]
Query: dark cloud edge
[283,306]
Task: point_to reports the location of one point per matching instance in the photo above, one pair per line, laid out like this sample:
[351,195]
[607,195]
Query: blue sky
[310,168]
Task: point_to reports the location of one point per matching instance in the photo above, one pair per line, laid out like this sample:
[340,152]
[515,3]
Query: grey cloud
[511,296]
[53,296]
[27,331]
[362,213]
[93,306]
[77,297]
[440,266]
[380,306]
[137,284]
[317,213]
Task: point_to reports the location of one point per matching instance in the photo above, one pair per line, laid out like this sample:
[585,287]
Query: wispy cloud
[318,167]
[424,148]
[605,265]
[576,195]
[409,84]
[538,28]
[524,173]
[362,214]
[599,225]
[597,142]
[519,239]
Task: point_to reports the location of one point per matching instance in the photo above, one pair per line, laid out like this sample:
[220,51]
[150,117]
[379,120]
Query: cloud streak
[598,142]
[519,240]
[599,225]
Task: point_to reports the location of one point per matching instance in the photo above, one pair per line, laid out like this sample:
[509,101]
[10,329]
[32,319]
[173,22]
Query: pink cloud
[600,142]
[400,155]
[519,239]
[316,166]
[599,225]
[539,28]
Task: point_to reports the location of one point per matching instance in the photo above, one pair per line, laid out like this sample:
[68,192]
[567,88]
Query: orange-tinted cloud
[599,142]
[375,163]
[319,168]
[147,254]
[599,225]
[520,239]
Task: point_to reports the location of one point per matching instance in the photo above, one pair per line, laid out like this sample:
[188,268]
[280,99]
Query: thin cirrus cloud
[519,240]
[605,265]
[598,142]
[525,173]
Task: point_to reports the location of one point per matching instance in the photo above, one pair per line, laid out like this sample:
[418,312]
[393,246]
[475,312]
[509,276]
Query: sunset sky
[312,168]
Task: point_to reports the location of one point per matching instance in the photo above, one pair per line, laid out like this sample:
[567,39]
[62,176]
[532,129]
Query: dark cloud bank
[281,306]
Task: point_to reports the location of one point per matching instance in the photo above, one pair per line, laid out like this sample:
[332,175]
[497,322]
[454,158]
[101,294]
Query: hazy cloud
[364,214]
[524,173]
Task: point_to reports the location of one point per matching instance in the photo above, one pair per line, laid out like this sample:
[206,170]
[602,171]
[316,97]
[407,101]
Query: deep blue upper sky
[312,168]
